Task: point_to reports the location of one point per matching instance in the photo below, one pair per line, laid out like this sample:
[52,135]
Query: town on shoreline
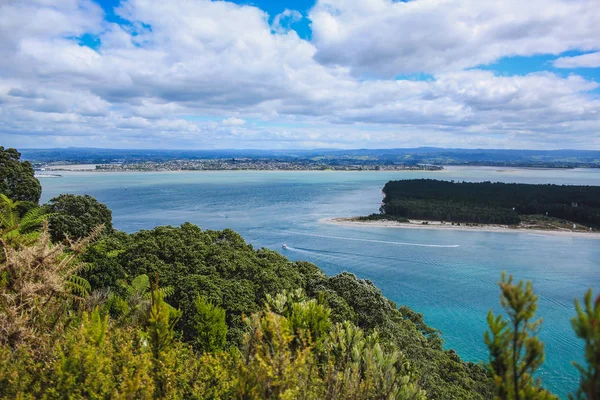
[238,164]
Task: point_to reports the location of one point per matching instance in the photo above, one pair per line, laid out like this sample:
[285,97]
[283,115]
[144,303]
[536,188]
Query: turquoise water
[449,276]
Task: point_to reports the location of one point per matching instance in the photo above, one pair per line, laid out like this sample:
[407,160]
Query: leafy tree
[587,327]
[515,350]
[17,180]
[75,217]
[211,328]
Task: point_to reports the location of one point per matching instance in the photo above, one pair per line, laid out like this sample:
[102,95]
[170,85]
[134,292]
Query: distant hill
[421,155]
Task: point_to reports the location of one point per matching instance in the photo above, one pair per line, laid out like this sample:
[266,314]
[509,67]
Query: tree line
[487,202]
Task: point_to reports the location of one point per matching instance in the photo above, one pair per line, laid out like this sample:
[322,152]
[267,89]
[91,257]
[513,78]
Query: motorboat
[285,246]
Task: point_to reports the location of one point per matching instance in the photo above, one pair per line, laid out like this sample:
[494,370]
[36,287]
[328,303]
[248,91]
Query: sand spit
[417,224]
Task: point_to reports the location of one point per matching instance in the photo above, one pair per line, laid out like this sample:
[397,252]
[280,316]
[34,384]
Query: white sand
[415,224]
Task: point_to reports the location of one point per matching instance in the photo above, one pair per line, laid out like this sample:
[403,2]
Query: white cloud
[388,37]
[194,74]
[590,60]
[283,20]
[233,121]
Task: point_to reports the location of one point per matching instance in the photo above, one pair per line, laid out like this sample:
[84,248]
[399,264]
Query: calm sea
[449,276]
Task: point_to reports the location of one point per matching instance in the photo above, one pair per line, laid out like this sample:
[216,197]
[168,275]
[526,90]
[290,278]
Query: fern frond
[8,212]
[140,283]
[28,238]
[33,219]
[165,292]
[78,286]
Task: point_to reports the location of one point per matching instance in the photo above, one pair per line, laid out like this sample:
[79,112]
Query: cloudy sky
[300,74]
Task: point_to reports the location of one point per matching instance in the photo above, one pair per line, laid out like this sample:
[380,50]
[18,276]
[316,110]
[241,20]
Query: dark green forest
[490,203]
[87,311]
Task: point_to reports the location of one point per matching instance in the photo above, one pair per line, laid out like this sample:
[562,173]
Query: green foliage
[235,281]
[75,216]
[17,180]
[161,322]
[102,257]
[211,328]
[19,373]
[486,202]
[271,369]
[84,369]
[18,229]
[279,359]
[383,217]
[515,350]
[217,265]
[440,373]
[587,327]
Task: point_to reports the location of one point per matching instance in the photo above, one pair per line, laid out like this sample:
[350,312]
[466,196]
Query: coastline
[231,170]
[414,224]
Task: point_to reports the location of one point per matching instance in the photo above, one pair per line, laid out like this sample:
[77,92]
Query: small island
[428,203]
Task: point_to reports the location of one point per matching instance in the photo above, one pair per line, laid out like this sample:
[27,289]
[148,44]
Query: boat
[285,246]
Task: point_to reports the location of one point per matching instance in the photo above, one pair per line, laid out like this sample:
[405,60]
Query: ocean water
[449,276]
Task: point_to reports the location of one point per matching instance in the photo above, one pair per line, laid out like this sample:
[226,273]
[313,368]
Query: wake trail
[377,241]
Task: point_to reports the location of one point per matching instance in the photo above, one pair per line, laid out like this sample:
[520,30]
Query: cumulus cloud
[389,37]
[233,121]
[283,21]
[194,74]
[590,60]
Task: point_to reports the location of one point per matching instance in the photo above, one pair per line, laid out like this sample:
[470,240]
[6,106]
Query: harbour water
[449,276]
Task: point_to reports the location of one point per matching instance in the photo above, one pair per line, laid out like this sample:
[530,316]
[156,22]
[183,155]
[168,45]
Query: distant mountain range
[408,156]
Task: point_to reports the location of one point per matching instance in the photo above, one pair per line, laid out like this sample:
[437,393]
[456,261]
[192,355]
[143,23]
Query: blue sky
[300,74]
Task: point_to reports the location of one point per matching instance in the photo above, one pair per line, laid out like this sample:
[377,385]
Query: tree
[587,327]
[515,350]
[75,216]
[17,179]
[210,325]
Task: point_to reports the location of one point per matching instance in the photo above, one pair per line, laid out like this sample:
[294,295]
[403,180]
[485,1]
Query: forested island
[490,203]
[87,311]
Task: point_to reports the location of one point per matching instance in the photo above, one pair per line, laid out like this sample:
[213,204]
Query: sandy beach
[417,224]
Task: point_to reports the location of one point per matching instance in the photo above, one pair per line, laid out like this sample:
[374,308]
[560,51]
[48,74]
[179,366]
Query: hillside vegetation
[184,313]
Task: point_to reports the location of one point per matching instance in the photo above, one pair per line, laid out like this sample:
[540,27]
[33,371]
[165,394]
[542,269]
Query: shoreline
[413,224]
[233,170]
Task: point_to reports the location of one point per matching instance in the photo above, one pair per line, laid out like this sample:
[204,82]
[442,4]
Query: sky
[277,74]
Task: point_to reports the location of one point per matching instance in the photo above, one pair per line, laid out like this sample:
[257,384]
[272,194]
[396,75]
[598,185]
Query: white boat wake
[377,241]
